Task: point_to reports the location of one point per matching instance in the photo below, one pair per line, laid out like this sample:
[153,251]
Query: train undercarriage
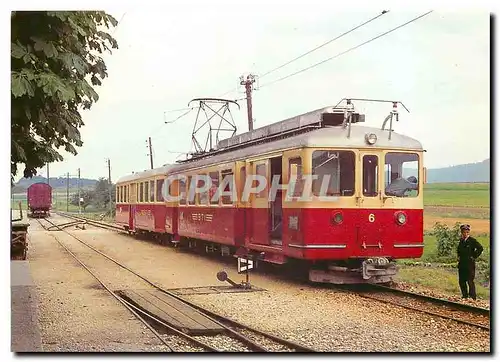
[38,213]
[352,271]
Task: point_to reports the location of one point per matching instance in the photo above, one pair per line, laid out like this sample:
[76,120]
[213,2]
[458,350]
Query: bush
[447,240]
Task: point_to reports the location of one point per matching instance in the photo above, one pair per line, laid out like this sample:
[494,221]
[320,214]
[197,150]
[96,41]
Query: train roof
[163,170]
[319,128]
[330,136]
[38,185]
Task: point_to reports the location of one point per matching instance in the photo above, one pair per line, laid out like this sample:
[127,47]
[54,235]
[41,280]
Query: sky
[438,66]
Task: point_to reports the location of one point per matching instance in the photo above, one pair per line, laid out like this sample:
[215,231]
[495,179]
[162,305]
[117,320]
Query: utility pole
[150,153]
[248,87]
[79,197]
[67,192]
[110,189]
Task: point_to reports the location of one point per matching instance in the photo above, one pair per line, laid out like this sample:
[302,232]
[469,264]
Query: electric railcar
[350,228]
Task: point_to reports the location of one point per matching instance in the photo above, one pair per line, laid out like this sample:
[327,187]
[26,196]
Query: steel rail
[114,294]
[462,306]
[205,312]
[369,295]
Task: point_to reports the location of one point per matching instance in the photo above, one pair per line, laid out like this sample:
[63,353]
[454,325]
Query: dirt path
[477,225]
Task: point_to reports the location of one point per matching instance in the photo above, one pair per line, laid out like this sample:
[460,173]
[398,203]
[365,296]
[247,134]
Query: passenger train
[361,213]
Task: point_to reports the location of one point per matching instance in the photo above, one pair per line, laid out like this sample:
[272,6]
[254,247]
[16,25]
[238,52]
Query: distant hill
[470,172]
[56,183]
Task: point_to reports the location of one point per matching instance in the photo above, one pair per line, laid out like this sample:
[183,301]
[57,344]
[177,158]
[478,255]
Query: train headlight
[400,218]
[371,138]
[338,218]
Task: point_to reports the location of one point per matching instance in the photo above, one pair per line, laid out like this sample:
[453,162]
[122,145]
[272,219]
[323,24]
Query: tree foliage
[98,197]
[88,197]
[102,193]
[55,65]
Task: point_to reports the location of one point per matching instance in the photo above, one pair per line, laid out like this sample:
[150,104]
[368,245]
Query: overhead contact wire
[324,44]
[346,51]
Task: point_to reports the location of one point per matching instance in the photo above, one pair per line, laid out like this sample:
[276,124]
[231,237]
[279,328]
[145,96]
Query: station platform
[25,331]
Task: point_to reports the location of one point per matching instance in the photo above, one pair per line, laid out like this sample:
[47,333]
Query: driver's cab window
[401,174]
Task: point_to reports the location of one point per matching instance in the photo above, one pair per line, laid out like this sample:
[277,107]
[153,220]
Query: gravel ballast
[77,314]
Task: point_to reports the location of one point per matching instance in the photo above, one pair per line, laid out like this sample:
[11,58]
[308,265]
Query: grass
[430,247]
[440,279]
[466,213]
[457,194]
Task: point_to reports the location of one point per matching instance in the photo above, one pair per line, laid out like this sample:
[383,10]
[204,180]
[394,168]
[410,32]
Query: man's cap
[465,227]
[412,179]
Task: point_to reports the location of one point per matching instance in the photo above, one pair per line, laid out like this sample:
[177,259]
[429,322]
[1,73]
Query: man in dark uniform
[469,249]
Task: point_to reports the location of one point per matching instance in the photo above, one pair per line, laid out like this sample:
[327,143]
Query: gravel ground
[482,303]
[76,314]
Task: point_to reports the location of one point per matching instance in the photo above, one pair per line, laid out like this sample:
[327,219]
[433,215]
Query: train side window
[173,189]
[182,192]
[159,187]
[120,199]
[141,192]
[335,171]
[146,191]
[203,195]
[117,193]
[214,176]
[261,171]
[191,196]
[151,191]
[295,174]
[228,176]
[370,175]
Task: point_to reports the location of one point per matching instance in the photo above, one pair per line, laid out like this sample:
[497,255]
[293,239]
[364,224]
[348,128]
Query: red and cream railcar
[346,223]
[140,206]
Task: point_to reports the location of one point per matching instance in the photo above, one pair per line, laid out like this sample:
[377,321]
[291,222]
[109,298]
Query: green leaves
[17,51]
[20,85]
[54,67]
[47,47]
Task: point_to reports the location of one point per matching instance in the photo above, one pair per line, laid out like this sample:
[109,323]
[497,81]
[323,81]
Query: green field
[469,195]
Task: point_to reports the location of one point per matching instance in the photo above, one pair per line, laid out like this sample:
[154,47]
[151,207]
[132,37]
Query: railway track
[97,223]
[458,312]
[235,336]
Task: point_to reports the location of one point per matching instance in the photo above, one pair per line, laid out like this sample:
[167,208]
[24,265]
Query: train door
[370,216]
[133,202]
[276,203]
[241,205]
[257,215]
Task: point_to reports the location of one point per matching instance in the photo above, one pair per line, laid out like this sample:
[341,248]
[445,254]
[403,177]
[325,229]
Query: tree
[88,197]
[101,192]
[54,58]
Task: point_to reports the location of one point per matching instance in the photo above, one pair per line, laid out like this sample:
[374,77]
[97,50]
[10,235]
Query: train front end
[366,209]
